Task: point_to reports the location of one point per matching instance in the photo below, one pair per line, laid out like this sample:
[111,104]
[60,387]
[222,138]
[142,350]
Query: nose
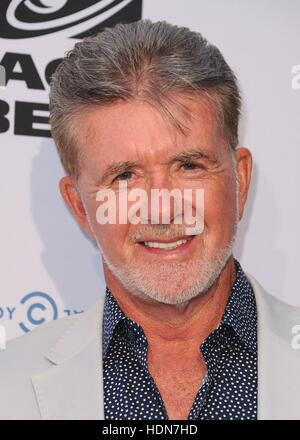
[164,200]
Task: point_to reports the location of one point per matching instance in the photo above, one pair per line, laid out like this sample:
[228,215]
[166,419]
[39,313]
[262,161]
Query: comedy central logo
[71,18]
[37,301]
[134,206]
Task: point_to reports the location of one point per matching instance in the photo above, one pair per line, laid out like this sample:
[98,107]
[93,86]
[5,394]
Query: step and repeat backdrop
[49,267]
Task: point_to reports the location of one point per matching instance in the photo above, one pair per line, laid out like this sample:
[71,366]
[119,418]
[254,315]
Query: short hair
[140,60]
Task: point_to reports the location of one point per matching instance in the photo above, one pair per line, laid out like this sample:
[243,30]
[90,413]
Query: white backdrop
[50,268]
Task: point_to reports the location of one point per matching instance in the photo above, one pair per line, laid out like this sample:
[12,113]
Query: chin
[172,283]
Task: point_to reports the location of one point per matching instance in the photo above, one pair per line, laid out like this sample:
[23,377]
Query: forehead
[136,130]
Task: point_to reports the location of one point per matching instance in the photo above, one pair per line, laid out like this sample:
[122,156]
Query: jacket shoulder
[37,340]
[23,357]
[278,316]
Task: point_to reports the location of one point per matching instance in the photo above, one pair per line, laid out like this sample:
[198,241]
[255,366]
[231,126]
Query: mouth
[167,245]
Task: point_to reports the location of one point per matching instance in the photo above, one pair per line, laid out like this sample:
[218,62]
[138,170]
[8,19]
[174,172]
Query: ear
[72,198]
[244,168]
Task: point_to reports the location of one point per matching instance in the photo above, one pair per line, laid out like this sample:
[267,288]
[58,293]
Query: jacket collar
[278,362]
[80,334]
[72,386]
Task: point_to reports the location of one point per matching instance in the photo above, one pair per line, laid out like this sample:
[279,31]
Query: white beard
[168,284]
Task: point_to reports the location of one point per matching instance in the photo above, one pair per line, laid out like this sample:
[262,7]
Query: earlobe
[72,198]
[244,168]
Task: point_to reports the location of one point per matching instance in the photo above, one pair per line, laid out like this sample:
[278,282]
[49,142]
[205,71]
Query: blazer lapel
[278,362]
[72,386]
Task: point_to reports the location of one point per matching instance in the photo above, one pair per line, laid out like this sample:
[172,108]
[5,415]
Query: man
[183,332]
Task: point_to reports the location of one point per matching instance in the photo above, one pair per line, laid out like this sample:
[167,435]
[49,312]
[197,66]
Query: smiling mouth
[166,245]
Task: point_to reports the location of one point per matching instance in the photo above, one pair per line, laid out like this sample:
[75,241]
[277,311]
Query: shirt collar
[239,314]
[111,317]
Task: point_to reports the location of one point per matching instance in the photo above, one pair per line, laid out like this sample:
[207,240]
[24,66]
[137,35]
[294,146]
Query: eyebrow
[190,155]
[117,168]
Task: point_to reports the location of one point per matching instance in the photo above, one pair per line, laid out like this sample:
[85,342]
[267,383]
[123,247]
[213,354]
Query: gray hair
[141,60]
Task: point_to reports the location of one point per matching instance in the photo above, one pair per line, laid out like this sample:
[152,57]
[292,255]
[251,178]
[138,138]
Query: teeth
[156,244]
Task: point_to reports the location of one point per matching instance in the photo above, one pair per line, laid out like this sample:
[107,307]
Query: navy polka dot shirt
[229,388]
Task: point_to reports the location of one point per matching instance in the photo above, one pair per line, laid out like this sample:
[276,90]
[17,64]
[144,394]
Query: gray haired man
[182,332]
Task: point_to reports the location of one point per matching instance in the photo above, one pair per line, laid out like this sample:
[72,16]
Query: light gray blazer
[55,371]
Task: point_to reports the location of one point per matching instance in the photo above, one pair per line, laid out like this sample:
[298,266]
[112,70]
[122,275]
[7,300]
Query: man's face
[131,142]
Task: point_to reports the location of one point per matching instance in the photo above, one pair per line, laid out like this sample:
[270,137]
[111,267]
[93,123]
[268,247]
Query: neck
[167,324]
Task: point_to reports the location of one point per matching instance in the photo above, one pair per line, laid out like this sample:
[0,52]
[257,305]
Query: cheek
[112,240]
[220,206]
[110,235]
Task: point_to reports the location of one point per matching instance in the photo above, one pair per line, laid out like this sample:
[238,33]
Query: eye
[124,176]
[190,166]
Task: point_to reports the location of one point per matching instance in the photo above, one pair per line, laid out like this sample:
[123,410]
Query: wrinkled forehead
[139,130]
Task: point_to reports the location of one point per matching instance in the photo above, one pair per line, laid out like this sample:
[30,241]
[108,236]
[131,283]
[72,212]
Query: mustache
[152,232]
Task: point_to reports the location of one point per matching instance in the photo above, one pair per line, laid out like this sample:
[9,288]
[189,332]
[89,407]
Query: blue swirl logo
[42,302]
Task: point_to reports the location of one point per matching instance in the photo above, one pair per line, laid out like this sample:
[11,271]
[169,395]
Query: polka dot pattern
[229,388]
